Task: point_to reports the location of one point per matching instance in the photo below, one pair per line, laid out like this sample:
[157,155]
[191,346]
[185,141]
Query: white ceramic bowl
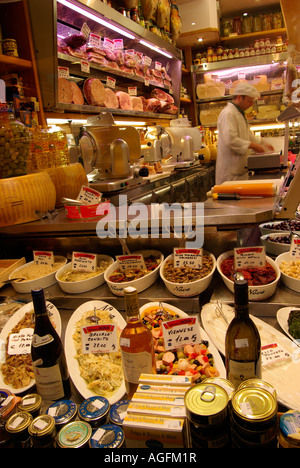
[265,229]
[29,285]
[141,283]
[188,289]
[275,248]
[256,293]
[76,287]
[290,282]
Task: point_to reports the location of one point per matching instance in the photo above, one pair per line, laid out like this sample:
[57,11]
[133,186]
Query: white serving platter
[282,318]
[70,350]
[10,324]
[283,375]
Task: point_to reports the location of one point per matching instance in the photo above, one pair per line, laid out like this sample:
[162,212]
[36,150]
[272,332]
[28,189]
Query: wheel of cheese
[213,152]
[67,181]
[21,197]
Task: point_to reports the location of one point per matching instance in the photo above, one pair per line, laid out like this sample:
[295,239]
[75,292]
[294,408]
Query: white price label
[63,72]
[20,343]
[273,352]
[132,91]
[84,261]
[118,44]
[85,30]
[131,262]
[191,258]
[249,257]
[99,338]
[89,196]
[85,66]
[108,44]
[95,40]
[147,61]
[110,82]
[157,66]
[43,258]
[295,248]
[180,332]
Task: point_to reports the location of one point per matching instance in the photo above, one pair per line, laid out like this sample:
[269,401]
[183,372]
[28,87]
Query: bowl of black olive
[278,243]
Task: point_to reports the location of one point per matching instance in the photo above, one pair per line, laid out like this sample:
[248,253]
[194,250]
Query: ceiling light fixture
[157,49]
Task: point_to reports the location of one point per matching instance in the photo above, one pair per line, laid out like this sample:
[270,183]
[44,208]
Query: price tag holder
[43,258]
[85,66]
[180,332]
[20,343]
[273,352]
[132,91]
[110,82]
[82,261]
[191,258]
[94,40]
[295,248]
[249,257]
[131,262]
[89,196]
[99,338]
[63,72]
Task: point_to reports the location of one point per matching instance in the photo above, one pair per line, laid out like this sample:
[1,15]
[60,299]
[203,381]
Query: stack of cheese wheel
[21,197]
[67,180]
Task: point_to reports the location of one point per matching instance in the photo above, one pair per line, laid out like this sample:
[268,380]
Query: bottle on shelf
[136,344]
[47,354]
[242,341]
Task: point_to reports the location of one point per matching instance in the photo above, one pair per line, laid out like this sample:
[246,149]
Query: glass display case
[91,58]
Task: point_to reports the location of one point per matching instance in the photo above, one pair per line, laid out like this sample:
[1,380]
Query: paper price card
[180,332]
[99,338]
[132,91]
[110,82]
[191,258]
[85,66]
[249,257]
[43,258]
[95,40]
[63,72]
[273,352]
[20,343]
[84,261]
[295,248]
[118,44]
[88,195]
[131,262]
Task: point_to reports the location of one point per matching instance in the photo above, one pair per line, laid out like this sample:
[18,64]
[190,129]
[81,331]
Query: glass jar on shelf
[247,24]
[237,25]
[257,26]
[227,28]
[267,22]
[14,144]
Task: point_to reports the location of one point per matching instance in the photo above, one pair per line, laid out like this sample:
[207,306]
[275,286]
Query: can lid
[74,434]
[118,411]
[254,404]
[42,426]
[205,399]
[108,436]
[224,383]
[95,407]
[30,402]
[62,411]
[258,383]
[18,422]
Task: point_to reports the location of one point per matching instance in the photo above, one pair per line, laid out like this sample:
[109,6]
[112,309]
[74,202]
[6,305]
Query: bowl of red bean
[276,244]
[262,281]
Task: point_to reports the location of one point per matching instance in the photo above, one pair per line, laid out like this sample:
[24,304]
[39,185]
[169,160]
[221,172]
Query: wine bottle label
[49,382]
[240,371]
[41,340]
[135,364]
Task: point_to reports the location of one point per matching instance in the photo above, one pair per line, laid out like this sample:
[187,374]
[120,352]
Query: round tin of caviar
[31,403]
[108,436]
[289,429]
[75,434]
[63,412]
[94,410]
[118,412]
[17,426]
[43,431]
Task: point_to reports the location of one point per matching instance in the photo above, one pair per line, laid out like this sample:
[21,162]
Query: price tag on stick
[249,257]
[180,332]
[99,338]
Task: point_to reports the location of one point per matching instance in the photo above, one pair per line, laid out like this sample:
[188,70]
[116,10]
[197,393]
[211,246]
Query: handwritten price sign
[180,332]
[99,339]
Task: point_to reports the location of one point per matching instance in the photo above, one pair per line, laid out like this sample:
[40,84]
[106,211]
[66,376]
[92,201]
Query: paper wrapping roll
[259,189]
[67,180]
[21,197]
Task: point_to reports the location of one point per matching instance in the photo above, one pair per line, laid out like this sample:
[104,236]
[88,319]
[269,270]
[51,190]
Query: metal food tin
[108,436]
[209,439]
[289,429]
[254,417]
[43,431]
[17,426]
[63,412]
[31,403]
[75,434]
[224,383]
[207,405]
[258,383]
[118,412]
[9,47]
[94,410]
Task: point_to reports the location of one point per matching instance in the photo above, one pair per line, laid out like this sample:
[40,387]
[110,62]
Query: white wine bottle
[242,341]
[47,354]
[136,343]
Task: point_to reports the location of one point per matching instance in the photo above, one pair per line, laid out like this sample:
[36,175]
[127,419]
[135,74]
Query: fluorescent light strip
[157,49]
[96,18]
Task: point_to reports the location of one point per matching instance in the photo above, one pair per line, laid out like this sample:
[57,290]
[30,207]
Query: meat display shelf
[86,109]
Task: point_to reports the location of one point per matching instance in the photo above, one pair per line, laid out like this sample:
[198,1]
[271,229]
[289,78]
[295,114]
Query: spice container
[63,412]
[43,432]
[95,411]
[31,403]
[75,434]
[9,47]
[108,436]
[17,427]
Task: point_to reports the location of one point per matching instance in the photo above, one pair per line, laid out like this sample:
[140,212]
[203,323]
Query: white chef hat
[246,89]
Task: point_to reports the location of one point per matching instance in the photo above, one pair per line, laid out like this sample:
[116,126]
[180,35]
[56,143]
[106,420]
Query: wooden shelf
[254,35]
[12,64]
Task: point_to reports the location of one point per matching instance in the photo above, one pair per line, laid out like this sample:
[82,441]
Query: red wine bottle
[47,354]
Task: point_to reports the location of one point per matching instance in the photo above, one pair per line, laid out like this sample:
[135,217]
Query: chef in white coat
[235,139]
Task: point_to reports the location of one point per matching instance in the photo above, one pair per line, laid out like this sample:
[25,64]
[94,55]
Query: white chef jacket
[234,138]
